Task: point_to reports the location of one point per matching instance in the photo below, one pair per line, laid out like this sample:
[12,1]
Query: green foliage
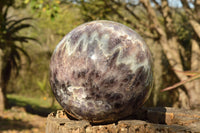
[6,2]
[174,23]
[183,28]
[111,10]
[94,10]
[42,84]
[66,16]
[34,80]
[184,32]
[39,104]
[11,44]
[48,6]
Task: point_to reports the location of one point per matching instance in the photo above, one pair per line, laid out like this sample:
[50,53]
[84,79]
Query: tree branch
[157,4]
[196,27]
[197,6]
[125,6]
[167,16]
[153,18]
[187,9]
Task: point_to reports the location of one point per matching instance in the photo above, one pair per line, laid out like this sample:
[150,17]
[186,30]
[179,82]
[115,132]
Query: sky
[172,3]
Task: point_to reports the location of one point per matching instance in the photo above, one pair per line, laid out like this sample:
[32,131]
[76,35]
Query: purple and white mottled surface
[101,71]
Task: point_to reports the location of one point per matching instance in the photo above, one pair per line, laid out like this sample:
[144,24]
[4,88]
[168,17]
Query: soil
[17,120]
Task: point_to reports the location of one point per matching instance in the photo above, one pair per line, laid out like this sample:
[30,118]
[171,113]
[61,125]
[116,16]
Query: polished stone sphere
[101,72]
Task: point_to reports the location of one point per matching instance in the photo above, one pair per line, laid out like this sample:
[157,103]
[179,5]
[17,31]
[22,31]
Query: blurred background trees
[170,28]
[173,26]
[11,46]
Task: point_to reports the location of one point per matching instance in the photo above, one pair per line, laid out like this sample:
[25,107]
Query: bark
[184,101]
[1,91]
[149,120]
[4,79]
[194,86]
[1,101]
[3,98]
[156,48]
[194,91]
[158,23]
[196,26]
[168,43]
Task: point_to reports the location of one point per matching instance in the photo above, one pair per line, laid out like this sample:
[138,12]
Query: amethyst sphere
[101,72]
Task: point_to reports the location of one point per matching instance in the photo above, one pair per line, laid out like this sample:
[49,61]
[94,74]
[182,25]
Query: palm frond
[24,39]
[16,60]
[23,52]
[15,22]
[11,44]
[16,55]
[17,29]
[6,12]
[6,69]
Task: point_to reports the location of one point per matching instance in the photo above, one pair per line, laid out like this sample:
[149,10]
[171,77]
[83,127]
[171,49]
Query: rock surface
[101,71]
[147,120]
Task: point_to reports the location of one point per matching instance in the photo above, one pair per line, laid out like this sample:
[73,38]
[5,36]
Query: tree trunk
[196,27]
[171,50]
[5,73]
[165,120]
[1,101]
[169,43]
[194,90]
[2,97]
[157,55]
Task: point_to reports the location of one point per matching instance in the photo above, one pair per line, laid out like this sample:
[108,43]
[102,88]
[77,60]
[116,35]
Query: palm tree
[11,49]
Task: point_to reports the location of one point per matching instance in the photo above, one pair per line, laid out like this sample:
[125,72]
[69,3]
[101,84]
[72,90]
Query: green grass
[40,106]
[22,100]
